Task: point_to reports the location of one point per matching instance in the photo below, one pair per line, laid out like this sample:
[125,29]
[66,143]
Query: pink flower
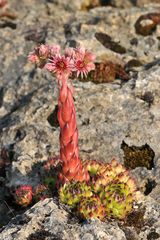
[84,61]
[43,51]
[54,50]
[74,59]
[70,52]
[32,57]
[39,55]
[60,65]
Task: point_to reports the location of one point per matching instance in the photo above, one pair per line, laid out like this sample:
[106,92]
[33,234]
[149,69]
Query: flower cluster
[77,60]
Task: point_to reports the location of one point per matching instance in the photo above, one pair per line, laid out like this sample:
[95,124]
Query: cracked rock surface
[107,113]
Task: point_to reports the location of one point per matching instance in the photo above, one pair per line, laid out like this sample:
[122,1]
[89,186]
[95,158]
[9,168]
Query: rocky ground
[118,111]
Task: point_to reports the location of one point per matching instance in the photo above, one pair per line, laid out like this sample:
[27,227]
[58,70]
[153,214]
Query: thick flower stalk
[77,60]
[69,151]
[93,189]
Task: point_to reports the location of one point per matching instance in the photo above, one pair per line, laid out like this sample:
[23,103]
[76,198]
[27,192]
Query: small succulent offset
[41,192]
[23,195]
[93,189]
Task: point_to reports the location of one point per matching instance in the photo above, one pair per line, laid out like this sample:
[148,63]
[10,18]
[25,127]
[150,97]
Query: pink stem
[69,152]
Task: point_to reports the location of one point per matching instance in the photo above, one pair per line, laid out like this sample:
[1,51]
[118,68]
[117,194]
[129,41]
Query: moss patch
[136,219]
[134,156]
[153,235]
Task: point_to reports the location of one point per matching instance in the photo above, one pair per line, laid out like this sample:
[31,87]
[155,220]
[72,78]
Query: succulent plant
[91,207]
[117,167]
[92,166]
[112,169]
[72,193]
[50,182]
[100,181]
[23,195]
[94,189]
[107,173]
[50,171]
[118,198]
[110,192]
[41,192]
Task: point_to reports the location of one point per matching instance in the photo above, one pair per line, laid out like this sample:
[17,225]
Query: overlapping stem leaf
[69,152]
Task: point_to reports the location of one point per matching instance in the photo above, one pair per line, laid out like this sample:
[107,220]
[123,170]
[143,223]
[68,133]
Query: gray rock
[47,217]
